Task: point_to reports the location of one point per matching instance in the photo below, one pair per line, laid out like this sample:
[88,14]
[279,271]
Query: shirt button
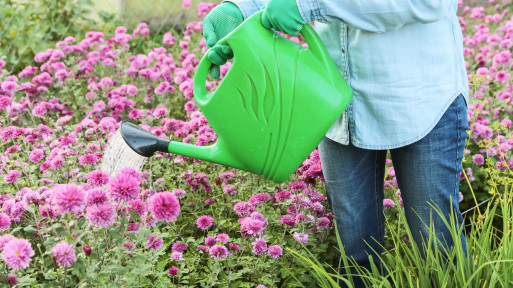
[343,50]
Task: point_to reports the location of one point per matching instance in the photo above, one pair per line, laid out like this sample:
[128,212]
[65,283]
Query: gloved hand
[219,22]
[284,16]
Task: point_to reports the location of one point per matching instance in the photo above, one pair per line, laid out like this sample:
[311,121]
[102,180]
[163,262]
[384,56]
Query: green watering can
[271,109]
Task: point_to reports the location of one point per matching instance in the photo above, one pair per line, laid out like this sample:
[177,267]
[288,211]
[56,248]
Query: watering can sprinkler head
[141,141]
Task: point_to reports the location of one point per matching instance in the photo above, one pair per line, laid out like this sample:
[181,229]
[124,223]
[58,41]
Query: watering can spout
[146,144]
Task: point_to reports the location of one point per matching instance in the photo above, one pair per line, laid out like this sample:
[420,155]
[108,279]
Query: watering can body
[274,105]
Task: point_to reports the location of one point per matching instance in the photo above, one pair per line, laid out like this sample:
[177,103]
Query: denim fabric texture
[427,171]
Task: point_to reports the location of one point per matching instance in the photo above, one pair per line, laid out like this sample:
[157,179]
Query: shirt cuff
[311,10]
[248,7]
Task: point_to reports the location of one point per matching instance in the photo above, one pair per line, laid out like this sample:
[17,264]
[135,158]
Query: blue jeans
[427,171]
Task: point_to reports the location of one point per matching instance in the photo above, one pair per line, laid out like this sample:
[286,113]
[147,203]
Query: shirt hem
[416,138]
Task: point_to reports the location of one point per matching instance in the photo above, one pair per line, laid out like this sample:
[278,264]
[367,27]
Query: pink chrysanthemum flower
[324,222]
[5,221]
[12,176]
[210,241]
[178,247]
[173,271]
[176,256]
[123,187]
[222,237]
[275,251]
[283,195]
[478,159]
[243,209]
[250,227]
[88,159]
[204,222]
[300,237]
[4,239]
[387,203]
[164,206]
[17,253]
[98,177]
[64,254]
[101,215]
[259,246]
[154,243]
[234,246]
[36,155]
[218,251]
[96,196]
[259,199]
[68,198]
[12,279]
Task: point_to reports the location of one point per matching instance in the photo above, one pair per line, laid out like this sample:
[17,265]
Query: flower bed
[66,223]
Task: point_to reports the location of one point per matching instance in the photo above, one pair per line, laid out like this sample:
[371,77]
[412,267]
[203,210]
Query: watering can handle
[200,91]
[315,45]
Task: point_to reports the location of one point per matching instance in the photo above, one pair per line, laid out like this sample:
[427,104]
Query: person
[403,60]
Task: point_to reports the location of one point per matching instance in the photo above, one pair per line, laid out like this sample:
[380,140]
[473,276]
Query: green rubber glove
[219,22]
[284,16]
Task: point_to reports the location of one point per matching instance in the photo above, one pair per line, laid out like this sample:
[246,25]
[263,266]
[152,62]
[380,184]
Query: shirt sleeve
[374,15]
[248,7]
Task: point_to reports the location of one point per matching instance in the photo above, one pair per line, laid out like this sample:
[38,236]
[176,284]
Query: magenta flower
[173,271]
[478,159]
[234,246]
[275,251]
[324,222]
[259,199]
[164,206]
[12,279]
[5,221]
[101,215]
[178,247]
[98,178]
[68,198]
[387,203]
[88,159]
[204,222]
[96,196]
[242,209]
[154,243]
[123,187]
[12,176]
[17,253]
[250,227]
[36,155]
[218,251]
[64,254]
[210,241]
[259,246]
[222,237]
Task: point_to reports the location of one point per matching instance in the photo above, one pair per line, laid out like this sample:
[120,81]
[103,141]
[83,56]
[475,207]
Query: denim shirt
[403,60]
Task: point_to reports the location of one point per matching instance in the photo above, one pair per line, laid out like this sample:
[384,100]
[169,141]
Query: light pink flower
[274,251]
[123,187]
[101,215]
[204,222]
[218,251]
[64,254]
[17,253]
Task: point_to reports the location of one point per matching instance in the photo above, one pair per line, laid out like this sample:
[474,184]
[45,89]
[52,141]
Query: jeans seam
[457,150]
[376,190]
